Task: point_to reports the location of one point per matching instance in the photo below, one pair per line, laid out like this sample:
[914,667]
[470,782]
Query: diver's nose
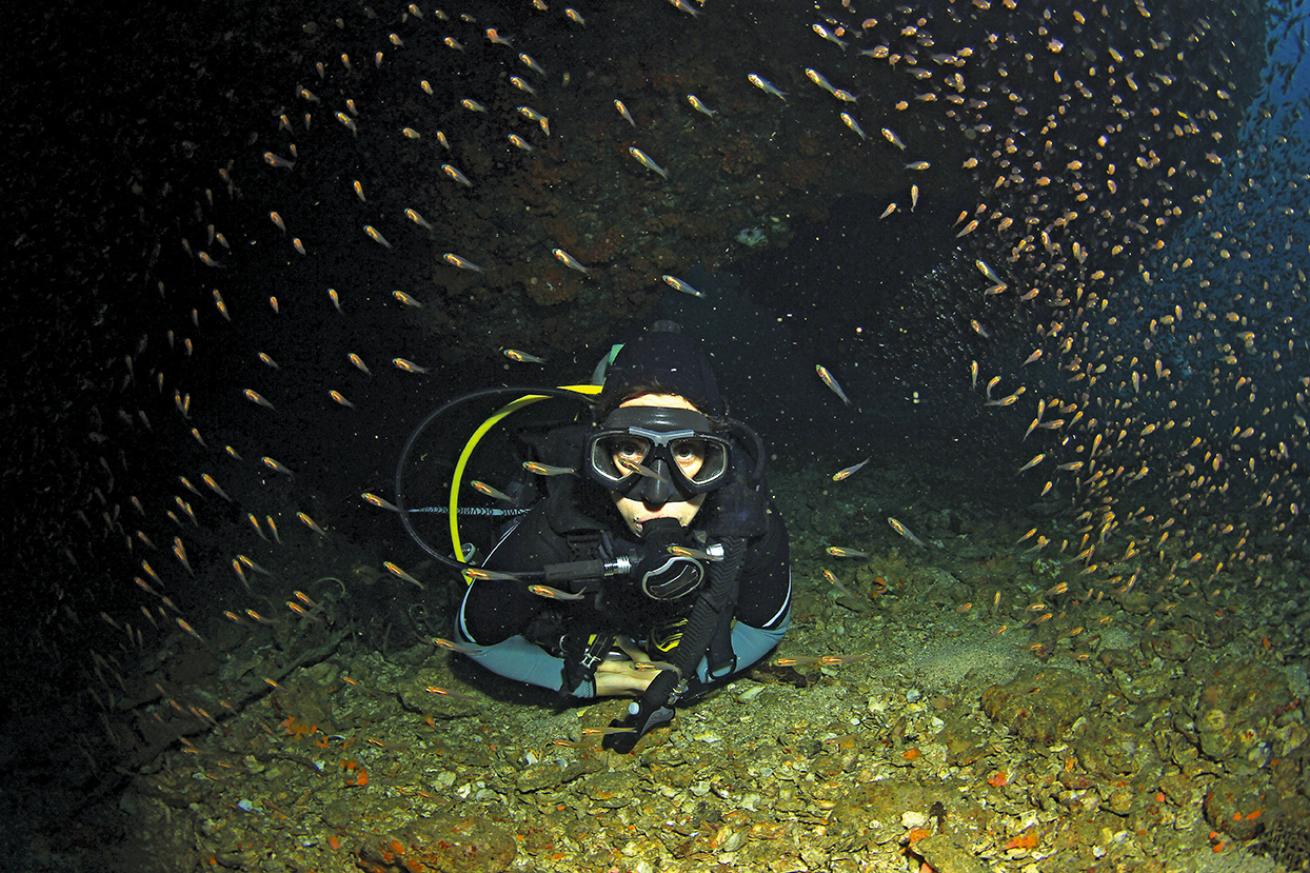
[655,491]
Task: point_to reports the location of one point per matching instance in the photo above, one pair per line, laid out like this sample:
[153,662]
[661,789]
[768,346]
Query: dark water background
[119,124]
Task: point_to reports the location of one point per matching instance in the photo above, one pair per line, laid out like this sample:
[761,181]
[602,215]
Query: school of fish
[1125,278]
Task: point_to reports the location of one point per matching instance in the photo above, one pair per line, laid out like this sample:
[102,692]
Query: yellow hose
[476,437]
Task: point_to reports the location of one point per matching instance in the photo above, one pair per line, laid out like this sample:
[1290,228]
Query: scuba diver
[655,566]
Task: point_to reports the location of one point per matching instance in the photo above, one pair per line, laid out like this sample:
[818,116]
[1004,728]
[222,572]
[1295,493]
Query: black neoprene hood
[666,361]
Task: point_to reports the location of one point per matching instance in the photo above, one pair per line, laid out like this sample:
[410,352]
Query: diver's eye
[688,450]
[630,450]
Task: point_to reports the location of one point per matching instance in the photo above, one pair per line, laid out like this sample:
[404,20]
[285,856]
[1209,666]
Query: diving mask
[656,454]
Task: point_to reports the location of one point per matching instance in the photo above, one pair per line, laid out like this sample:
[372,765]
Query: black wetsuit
[518,634]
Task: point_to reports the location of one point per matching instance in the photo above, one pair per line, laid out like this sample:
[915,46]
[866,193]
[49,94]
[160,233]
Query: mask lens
[675,447]
[700,461]
[615,457]
[688,452]
[627,452]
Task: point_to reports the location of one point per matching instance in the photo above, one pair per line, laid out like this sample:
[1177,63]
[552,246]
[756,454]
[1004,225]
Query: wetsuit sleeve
[763,603]
[494,613]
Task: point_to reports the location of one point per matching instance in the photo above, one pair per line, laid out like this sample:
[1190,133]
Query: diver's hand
[622,679]
[651,711]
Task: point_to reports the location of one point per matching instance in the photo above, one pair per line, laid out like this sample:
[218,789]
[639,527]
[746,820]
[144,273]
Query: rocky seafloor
[952,728]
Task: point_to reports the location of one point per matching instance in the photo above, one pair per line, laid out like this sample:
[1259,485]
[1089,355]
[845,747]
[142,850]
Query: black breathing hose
[705,614]
[457,566]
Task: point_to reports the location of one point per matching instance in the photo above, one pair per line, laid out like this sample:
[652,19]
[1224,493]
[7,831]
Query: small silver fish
[414,216]
[461,263]
[819,79]
[533,115]
[699,106]
[987,271]
[521,356]
[646,161]
[569,261]
[490,491]
[379,502]
[639,468]
[698,554]
[904,531]
[476,573]
[452,172]
[824,33]
[765,85]
[848,472]
[831,382]
[540,469]
[527,61]
[849,120]
[679,285]
[555,593]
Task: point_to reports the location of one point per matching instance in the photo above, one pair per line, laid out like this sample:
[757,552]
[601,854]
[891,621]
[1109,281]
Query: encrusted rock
[550,775]
[1171,644]
[1235,710]
[875,809]
[1040,704]
[943,853]
[442,844]
[1236,807]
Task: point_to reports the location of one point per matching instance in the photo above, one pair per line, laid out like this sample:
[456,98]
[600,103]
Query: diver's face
[636,512]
